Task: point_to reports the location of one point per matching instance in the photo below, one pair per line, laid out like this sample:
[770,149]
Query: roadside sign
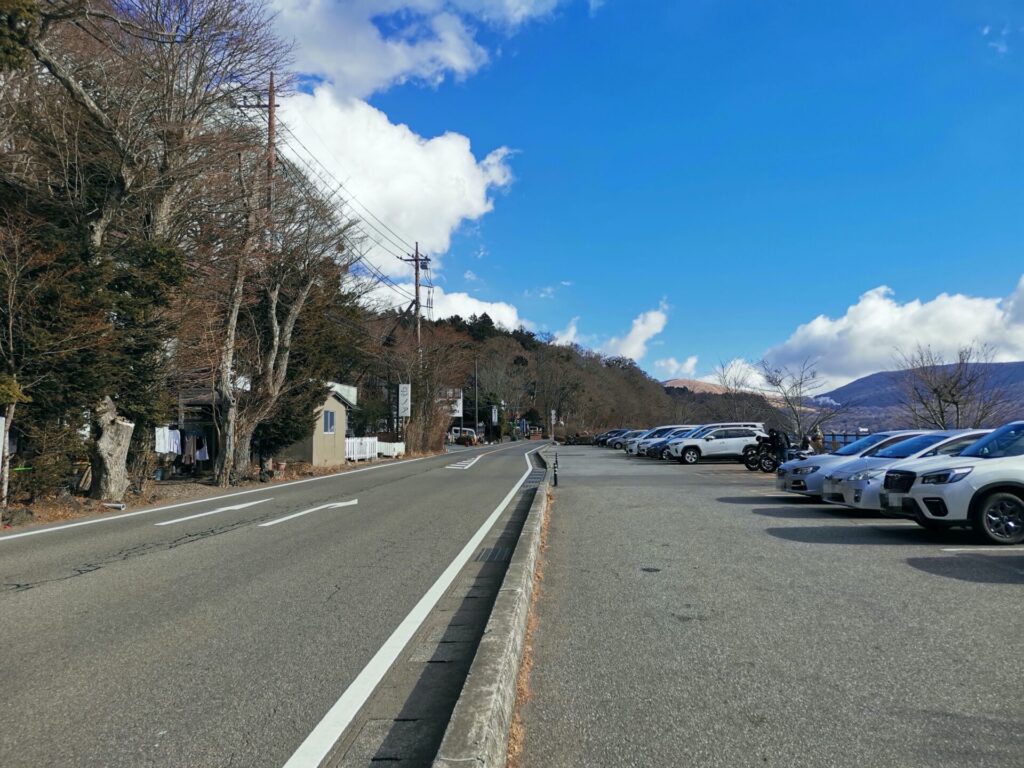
[494,415]
[404,401]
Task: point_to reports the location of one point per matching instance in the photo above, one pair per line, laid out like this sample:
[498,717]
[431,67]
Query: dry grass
[517,731]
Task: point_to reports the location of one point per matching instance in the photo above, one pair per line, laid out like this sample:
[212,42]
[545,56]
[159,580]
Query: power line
[376,271]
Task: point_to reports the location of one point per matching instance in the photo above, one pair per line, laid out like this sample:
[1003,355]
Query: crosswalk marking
[464,464]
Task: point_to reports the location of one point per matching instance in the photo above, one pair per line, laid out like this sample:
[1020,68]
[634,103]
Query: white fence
[391,450]
[360,448]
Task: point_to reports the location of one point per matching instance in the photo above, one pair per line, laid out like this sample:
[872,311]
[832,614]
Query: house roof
[345,394]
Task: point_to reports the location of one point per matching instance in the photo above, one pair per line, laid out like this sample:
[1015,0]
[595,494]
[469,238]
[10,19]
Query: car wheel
[691,456]
[666,454]
[617,446]
[999,518]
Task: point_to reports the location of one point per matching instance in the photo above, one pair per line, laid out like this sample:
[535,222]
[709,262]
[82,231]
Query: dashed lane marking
[336,505]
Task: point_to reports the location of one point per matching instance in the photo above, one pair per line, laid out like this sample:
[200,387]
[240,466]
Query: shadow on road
[978,568]
[806,513]
[782,501]
[865,535]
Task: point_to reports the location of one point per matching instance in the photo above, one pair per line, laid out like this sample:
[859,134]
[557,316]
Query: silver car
[807,476]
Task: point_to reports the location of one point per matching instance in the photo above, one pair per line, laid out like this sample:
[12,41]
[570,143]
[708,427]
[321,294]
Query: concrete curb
[477,734]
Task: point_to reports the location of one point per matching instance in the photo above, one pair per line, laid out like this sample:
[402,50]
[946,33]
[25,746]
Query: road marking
[465,463]
[990,548]
[314,509]
[315,748]
[38,531]
[213,512]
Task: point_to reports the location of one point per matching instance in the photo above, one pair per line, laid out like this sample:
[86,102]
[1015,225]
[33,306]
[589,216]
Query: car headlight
[805,470]
[868,474]
[946,476]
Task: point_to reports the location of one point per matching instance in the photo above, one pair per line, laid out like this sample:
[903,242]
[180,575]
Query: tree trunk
[5,488]
[110,453]
[226,457]
[243,452]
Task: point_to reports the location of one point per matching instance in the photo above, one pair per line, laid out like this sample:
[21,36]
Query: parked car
[619,441]
[807,476]
[858,483]
[982,488]
[675,445]
[643,446]
[718,443]
[660,448]
[633,445]
[604,437]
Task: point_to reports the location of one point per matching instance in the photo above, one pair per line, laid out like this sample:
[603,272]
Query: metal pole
[476,386]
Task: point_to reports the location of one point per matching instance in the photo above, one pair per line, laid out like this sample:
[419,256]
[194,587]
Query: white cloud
[446,304]
[365,46]
[470,276]
[670,368]
[570,334]
[423,188]
[865,339]
[567,283]
[645,327]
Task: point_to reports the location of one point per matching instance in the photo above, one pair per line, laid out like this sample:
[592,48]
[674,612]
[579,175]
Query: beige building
[325,446]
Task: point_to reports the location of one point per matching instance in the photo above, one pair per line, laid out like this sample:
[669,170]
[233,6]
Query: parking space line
[989,548]
[285,519]
[232,508]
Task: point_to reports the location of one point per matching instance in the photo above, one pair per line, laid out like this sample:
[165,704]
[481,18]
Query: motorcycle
[761,458]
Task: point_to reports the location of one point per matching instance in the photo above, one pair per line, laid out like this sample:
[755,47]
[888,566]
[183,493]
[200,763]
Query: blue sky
[739,169]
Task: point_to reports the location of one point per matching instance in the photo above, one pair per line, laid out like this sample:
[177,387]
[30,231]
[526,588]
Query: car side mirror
[709,438]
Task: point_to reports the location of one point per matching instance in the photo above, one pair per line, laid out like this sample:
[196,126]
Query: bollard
[554,479]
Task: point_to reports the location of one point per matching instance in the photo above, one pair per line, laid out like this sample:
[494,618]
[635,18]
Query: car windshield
[859,446]
[1005,441]
[905,448]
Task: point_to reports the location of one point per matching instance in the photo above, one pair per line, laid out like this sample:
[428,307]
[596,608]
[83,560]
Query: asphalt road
[692,616]
[182,638]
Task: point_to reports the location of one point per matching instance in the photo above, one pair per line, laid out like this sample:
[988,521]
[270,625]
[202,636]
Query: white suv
[675,445]
[720,443]
[982,488]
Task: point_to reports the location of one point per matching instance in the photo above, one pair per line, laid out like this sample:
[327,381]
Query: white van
[455,433]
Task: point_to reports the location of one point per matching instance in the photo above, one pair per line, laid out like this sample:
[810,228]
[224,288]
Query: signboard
[554,417]
[494,415]
[404,401]
[454,400]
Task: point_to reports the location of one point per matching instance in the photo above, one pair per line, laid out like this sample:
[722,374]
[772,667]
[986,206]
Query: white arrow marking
[314,509]
[213,512]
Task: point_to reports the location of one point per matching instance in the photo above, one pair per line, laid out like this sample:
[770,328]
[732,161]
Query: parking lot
[693,615]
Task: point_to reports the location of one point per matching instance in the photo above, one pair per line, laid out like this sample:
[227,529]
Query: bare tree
[795,390]
[740,398]
[952,393]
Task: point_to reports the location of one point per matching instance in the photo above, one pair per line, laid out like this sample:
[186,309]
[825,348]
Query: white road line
[465,464]
[314,749]
[990,548]
[314,509]
[214,512]
[38,531]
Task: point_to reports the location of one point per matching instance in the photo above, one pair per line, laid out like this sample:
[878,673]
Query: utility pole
[476,386]
[271,148]
[418,262]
